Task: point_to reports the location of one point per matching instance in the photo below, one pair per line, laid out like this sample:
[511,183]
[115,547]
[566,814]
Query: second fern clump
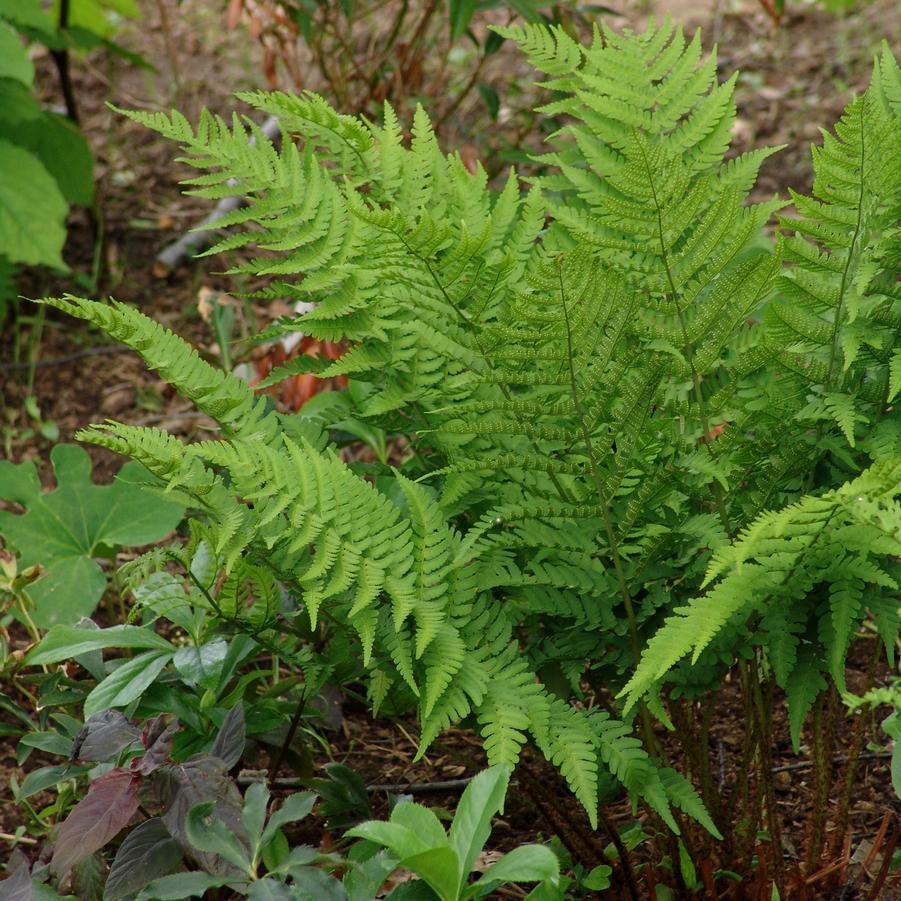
[604,382]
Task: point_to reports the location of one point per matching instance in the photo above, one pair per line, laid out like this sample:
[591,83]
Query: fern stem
[688,346]
[763,708]
[469,326]
[840,308]
[860,731]
[624,591]
[599,482]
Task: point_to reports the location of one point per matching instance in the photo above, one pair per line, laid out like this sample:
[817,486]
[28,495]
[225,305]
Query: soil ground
[795,79]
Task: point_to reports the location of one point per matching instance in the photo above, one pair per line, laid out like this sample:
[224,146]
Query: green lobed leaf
[64,528]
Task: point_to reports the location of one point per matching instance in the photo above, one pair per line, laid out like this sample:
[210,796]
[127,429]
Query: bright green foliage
[50,162]
[444,861]
[64,529]
[594,376]
[804,571]
[835,322]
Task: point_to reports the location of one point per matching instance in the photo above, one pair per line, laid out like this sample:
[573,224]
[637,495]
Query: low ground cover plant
[652,447]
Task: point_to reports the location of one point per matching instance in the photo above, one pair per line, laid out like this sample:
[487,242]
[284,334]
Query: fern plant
[604,381]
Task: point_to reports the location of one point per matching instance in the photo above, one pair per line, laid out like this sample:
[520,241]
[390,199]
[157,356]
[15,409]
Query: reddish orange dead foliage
[295,392]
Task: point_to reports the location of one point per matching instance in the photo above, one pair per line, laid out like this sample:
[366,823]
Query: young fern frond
[836,319]
[784,559]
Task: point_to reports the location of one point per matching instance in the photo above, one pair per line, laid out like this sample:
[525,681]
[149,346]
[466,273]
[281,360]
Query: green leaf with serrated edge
[269,890]
[363,882]
[128,682]
[179,886]
[147,853]
[63,642]
[421,821]
[396,838]
[208,834]
[61,529]
[256,800]
[32,210]
[295,807]
[440,868]
[527,863]
[471,826]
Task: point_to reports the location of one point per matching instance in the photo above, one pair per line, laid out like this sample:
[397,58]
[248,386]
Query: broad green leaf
[59,145]
[312,884]
[17,102]
[269,890]
[14,61]
[295,807]
[481,800]
[528,863]
[147,853]
[93,15]
[363,882]
[63,642]
[127,683]
[460,14]
[201,665]
[51,742]
[179,886]
[396,838]
[440,868]
[206,833]
[44,778]
[32,210]
[70,590]
[422,821]
[27,14]
[63,528]
[256,799]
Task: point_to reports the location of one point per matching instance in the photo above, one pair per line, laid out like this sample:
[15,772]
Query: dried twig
[249,777]
[65,359]
[840,758]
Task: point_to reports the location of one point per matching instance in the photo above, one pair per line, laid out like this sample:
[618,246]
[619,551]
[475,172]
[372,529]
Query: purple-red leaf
[17,885]
[109,805]
[229,743]
[182,786]
[103,736]
[158,736]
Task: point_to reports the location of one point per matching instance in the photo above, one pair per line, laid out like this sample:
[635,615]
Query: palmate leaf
[64,529]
